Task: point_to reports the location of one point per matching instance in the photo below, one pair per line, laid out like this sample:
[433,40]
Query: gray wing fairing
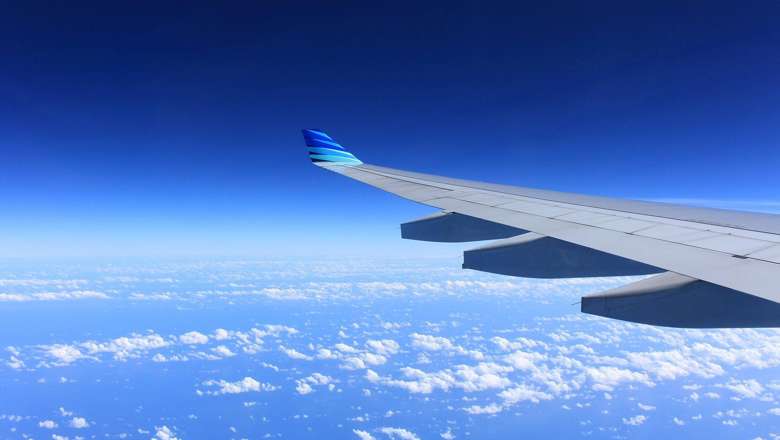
[674,300]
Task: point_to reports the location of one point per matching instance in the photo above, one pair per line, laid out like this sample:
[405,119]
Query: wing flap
[541,209]
[771,253]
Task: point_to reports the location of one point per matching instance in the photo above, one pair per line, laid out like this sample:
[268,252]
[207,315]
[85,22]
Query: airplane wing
[710,268]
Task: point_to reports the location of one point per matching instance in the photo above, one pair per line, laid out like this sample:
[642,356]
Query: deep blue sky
[149,129]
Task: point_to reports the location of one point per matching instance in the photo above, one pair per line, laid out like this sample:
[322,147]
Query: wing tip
[323,149]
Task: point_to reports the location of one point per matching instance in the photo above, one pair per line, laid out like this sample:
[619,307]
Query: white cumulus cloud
[635,420]
[245,385]
[399,433]
[194,338]
[78,423]
[363,435]
[48,424]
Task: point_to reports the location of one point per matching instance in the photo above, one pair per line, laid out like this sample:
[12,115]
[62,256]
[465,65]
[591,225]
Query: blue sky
[148,129]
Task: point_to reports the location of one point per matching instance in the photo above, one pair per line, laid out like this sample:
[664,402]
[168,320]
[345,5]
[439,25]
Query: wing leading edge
[711,268]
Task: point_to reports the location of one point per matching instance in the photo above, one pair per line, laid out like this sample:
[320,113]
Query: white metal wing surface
[713,268]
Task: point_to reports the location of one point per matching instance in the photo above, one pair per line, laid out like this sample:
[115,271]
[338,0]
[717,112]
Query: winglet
[322,148]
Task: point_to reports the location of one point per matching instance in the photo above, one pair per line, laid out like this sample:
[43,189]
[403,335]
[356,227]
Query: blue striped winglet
[322,148]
